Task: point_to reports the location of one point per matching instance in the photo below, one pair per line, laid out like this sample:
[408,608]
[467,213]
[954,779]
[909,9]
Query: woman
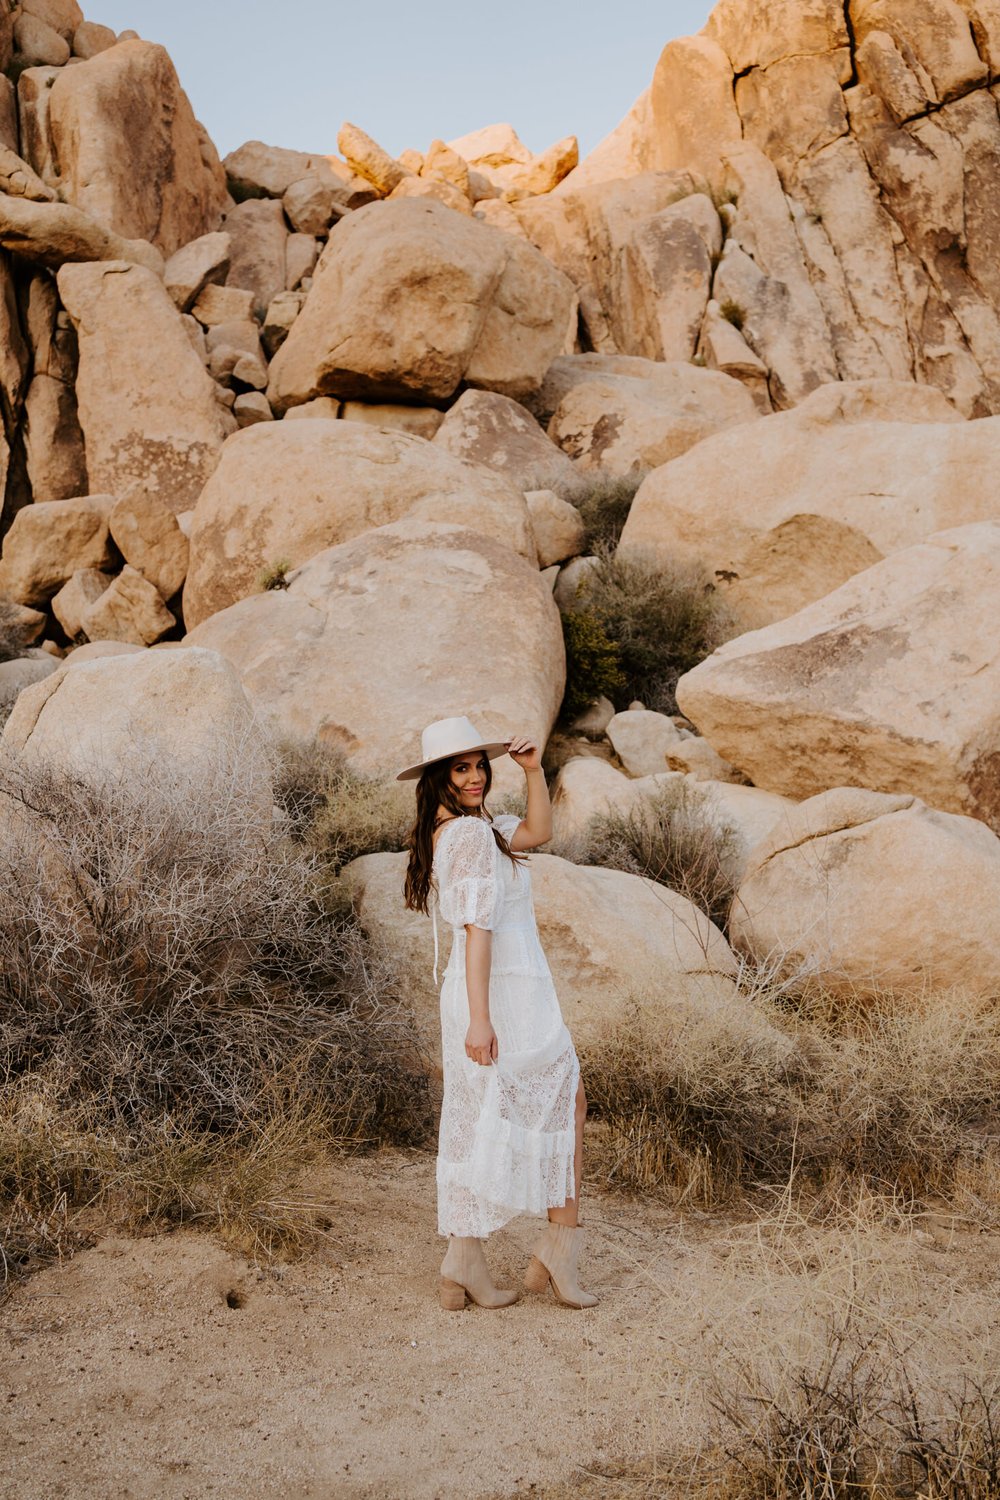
[511,1134]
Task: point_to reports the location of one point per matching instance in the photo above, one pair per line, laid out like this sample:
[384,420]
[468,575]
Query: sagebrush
[643,625]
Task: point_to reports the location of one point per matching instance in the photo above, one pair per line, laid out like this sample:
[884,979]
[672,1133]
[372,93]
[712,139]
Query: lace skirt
[507,1138]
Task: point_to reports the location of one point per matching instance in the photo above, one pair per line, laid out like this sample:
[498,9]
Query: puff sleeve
[469,889]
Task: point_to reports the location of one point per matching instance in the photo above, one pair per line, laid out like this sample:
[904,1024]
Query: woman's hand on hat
[525,753]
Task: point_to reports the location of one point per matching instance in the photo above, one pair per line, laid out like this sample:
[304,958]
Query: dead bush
[175,1003]
[333,811]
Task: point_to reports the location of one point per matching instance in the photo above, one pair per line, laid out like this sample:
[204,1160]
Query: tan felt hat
[449,737]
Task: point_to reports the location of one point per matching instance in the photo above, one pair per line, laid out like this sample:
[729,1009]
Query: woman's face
[468,779]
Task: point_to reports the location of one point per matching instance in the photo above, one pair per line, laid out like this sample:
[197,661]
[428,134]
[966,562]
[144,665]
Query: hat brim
[492,751]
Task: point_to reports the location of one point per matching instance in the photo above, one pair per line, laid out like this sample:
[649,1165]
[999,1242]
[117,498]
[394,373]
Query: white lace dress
[507,1137]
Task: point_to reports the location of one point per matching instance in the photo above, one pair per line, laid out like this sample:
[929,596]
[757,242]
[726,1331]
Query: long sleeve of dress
[469,891]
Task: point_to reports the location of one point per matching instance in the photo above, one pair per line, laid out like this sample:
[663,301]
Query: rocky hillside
[333,417]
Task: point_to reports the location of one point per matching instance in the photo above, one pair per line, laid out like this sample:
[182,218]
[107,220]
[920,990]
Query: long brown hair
[434,791]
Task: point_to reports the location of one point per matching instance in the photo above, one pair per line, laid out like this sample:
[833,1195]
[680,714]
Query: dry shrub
[671,837]
[13,635]
[857,1417]
[335,812]
[180,1018]
[894,1097]
[604,502]
[660,621]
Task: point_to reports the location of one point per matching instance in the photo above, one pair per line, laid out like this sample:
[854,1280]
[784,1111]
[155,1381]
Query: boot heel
[452,1295]
[536,1277]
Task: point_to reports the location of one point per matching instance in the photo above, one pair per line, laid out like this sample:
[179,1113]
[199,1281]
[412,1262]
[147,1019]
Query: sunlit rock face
[854,151]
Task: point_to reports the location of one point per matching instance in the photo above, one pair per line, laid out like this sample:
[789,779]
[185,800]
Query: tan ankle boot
[464,1272]
[554,1263]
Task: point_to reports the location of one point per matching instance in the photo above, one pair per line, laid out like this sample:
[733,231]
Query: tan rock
[39,44]
[862,892]
[545,172]
[586,788]
[498,432]
[557,526]
[329,411]
[20,673]
[147,535]
[679,966]
[9,126]
[257,262]
[129,149]
[419,421]
[50,234]
[190,269]
[23,626]
[311,205]
[499,215]
[240,333]
[777,512]
[722,347]
[89,39]
[47,543]
[934,43]
[64,16]
[95,650]
[627,151]
[693,107]
[256,170]
[290,490]
[222,304]
[53,442]
[252,407]
[625,427]
[492,146]
[635,252]
[130,609]
[794,108]
[306,653]
[76,596]
[367,158]
[757,36]
[456,303]
[278,319]
[433,187]
[19,180]
[571,585]
[147,408]
[890,682]
[648,744]
[126,713]
[444,163]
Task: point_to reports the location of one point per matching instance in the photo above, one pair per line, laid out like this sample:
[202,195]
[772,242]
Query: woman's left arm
[536,826]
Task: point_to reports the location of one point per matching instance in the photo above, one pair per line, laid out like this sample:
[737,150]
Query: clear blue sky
[290,71]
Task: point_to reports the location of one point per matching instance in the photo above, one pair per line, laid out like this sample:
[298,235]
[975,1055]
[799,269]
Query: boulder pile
[331,440]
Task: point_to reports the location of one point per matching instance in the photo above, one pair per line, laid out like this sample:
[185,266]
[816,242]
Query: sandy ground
[169,1367]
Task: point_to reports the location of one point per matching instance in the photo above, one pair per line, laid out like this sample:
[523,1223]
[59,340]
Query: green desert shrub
[642,626]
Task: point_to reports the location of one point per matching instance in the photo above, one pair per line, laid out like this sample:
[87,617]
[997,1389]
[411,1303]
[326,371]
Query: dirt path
[167,1367]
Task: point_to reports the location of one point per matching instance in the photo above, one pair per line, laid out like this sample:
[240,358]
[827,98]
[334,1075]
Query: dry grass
[671,837]
[334,812]
[893,1097]
[182,1024]
[604,502]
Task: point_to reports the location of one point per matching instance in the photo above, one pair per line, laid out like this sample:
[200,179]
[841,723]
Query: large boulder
[180,711]
[624,426]
[640,254]
[147,406]
[891,682]
[498,432]
[784,510]
[48,542]
[410,301]
[50,234]
[860,892]
[612,941]
[258,240]
[284,491]
[371,641]
[122,143]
